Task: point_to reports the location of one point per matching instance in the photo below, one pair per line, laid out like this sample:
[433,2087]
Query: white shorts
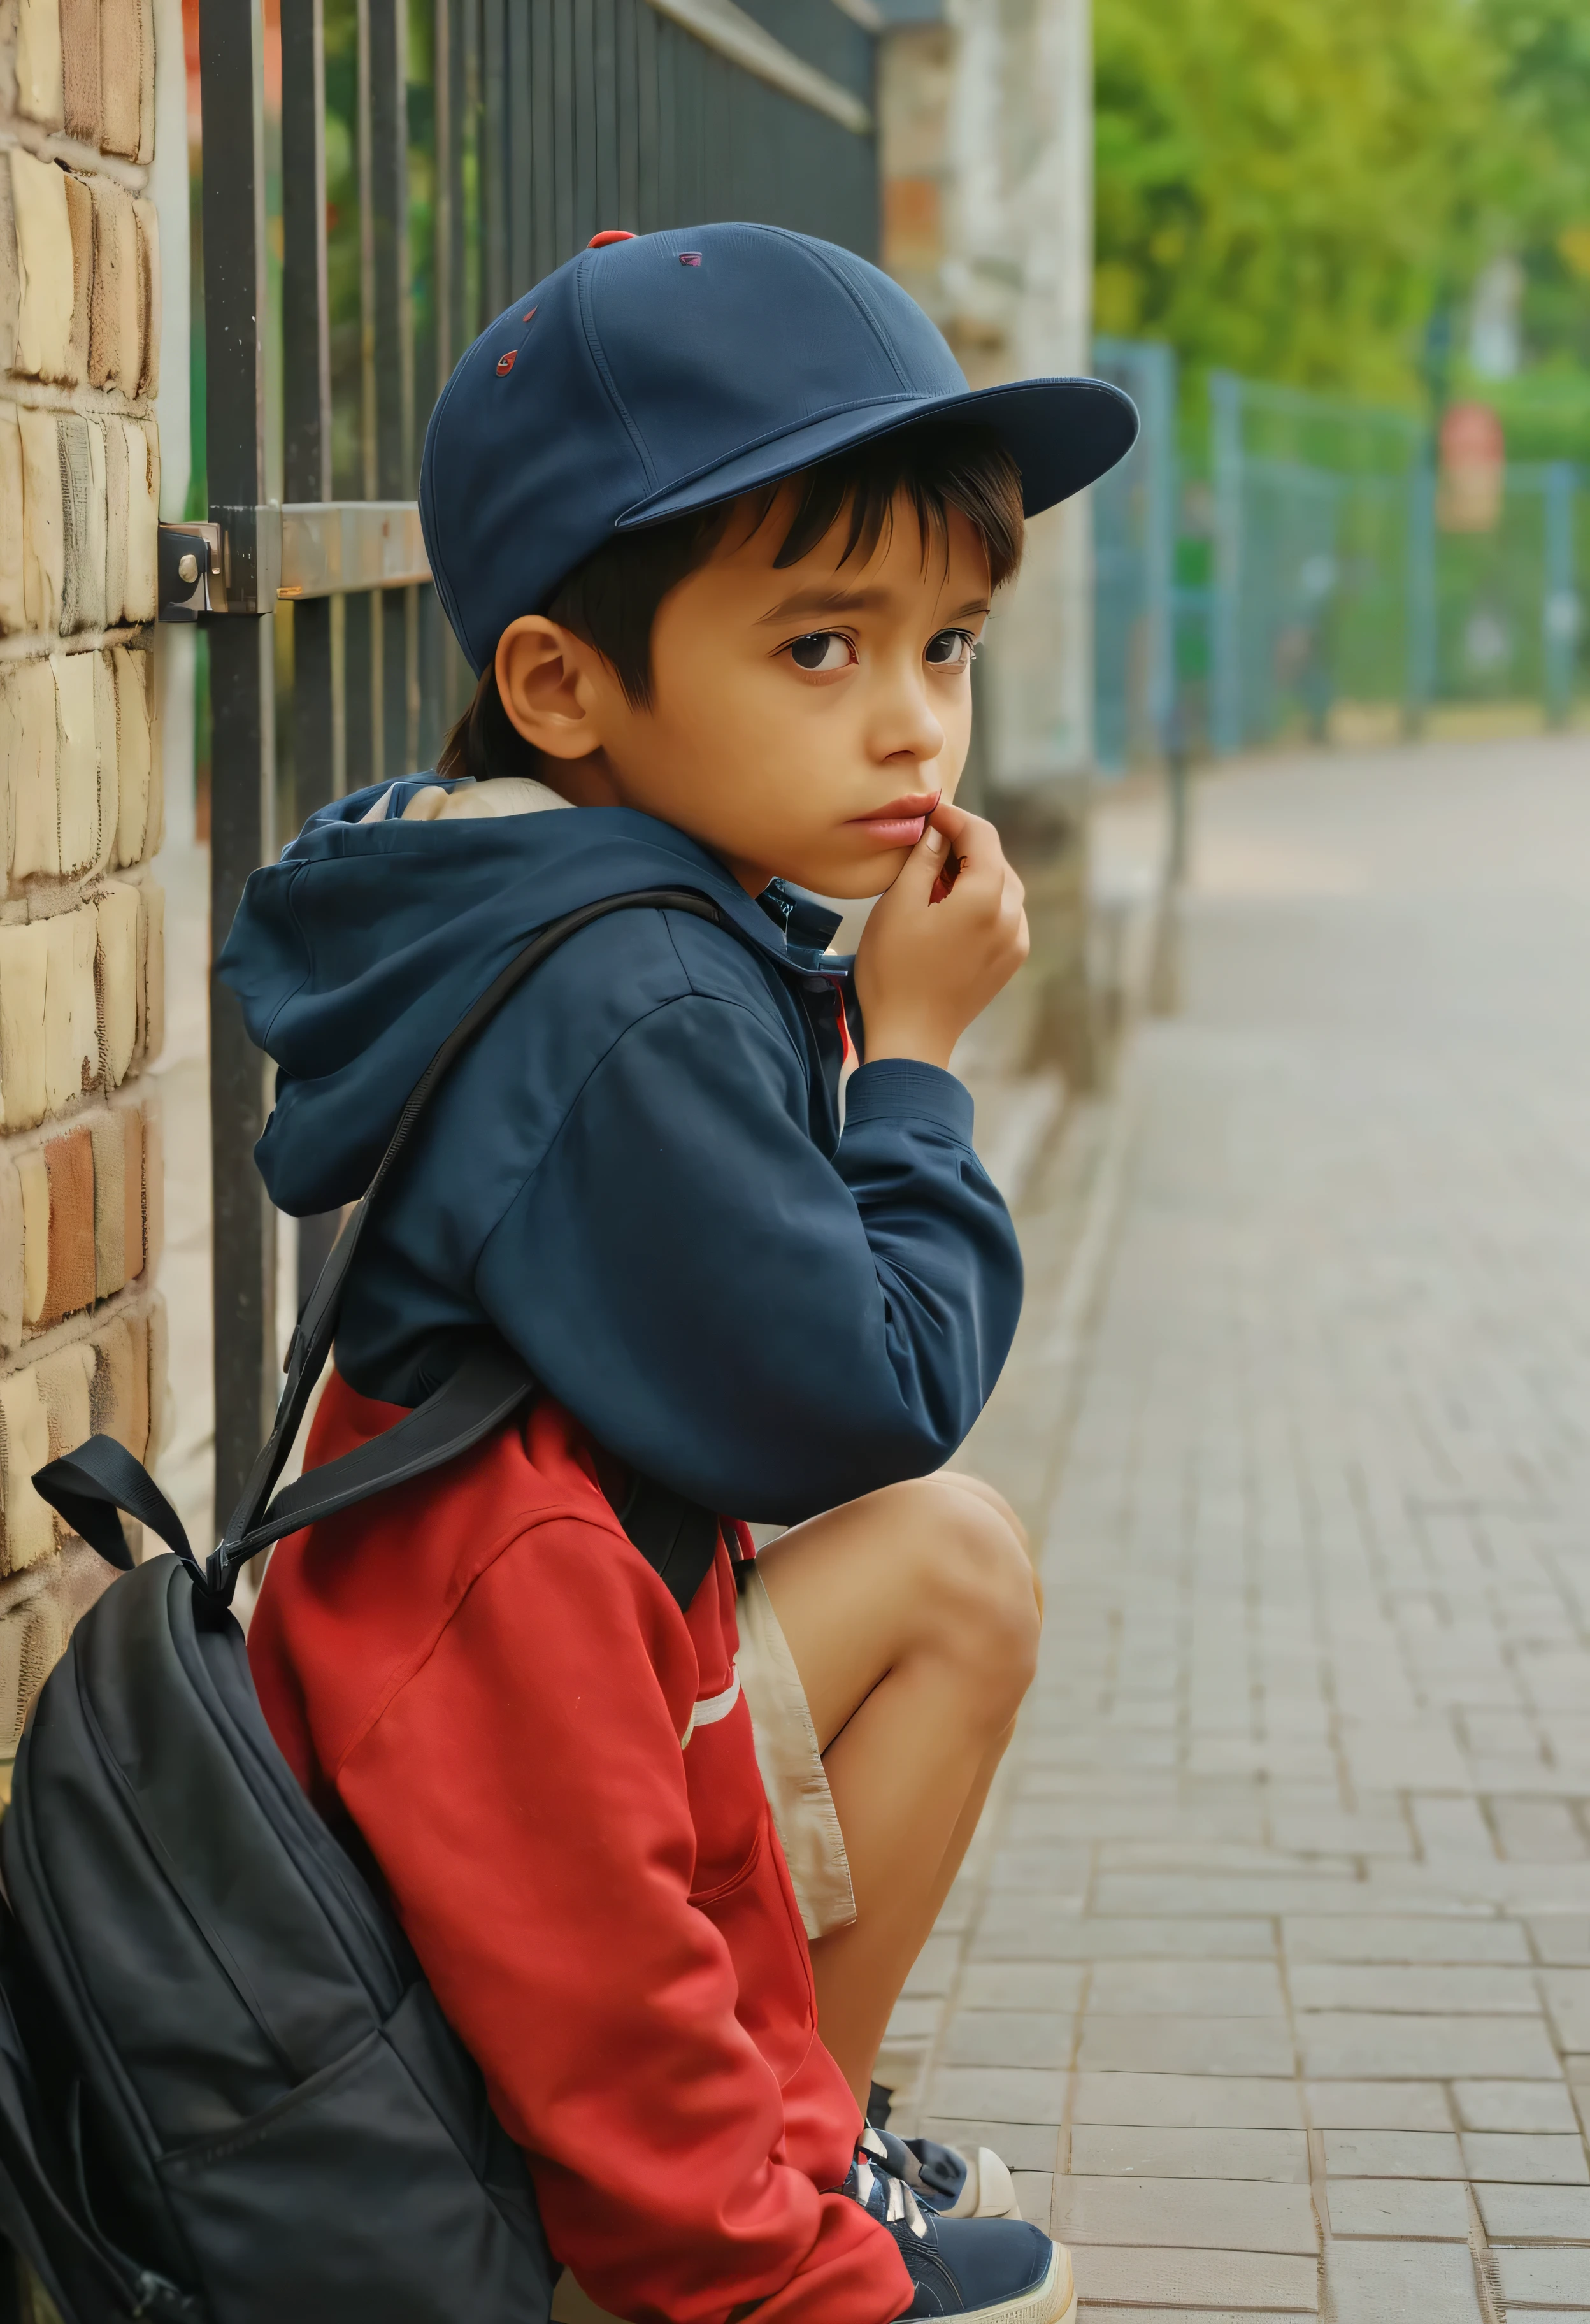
[792,1773]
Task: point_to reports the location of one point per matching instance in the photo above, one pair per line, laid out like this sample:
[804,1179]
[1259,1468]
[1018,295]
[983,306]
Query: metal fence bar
[393,355]
[366,754]
[1225,720]
[1559,612]
[1423,604]
[232,91]
[306,366]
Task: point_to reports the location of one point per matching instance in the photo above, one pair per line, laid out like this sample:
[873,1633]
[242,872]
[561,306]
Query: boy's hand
[941,942]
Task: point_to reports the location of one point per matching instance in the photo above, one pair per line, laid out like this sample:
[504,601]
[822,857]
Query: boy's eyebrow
[852,601]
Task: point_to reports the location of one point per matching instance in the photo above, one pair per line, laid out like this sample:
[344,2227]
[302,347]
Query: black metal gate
[484,141]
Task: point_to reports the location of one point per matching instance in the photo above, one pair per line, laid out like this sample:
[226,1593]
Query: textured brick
[1392,2155]
[1008,2037]
[1545,2278]
[1187,1988]
[1522,2214]
[1188,2101]
[1234,2282]
[1379,2106]
[1215,2214]
[1353,2043]
[1395,2283]
[999,2093]
[1101,2150]
[1399,2208]
[1514,2106]
[1185,2045]
[1543,2161]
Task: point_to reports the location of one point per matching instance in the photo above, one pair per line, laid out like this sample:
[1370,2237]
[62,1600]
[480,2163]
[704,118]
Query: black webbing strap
[88,1487]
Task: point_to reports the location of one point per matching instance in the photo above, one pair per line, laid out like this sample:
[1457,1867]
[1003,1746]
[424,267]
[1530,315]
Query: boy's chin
[852,883]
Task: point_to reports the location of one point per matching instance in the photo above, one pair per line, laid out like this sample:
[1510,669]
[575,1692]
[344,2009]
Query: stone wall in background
[82,981]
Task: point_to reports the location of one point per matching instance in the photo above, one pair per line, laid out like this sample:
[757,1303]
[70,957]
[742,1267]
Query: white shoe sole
[1052,2302]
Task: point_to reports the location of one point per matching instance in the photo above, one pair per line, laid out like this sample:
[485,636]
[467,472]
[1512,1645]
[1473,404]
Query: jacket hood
[357,954]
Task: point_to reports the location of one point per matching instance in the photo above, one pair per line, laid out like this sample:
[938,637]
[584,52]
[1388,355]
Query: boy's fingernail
[933,841]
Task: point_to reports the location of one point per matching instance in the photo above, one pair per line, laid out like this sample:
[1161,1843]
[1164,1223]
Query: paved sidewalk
[1271,1973]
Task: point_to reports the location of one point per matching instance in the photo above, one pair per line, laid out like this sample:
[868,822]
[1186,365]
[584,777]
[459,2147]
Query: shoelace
[899,2202]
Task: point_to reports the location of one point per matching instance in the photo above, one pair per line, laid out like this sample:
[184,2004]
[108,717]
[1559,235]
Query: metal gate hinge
[230,565]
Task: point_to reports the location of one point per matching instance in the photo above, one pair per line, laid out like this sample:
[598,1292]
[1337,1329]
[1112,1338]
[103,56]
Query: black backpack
[228,2094]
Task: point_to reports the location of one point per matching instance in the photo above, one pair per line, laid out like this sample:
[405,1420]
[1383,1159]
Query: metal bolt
[187,567]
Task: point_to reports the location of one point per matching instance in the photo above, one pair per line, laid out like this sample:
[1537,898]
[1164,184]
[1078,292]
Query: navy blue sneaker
[943,2180]
[967,2271]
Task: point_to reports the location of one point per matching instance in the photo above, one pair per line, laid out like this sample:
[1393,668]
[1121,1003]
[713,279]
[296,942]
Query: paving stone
[934,1970]
[1392,2155]
[1034,2196]
[1544,2279]
[1185,2045]
[1523,2214]
[1025,2146]
[1233,2282]
[1567,1993]
[1424,1990]
[1155,1939]
[1395,1938]
[1204,2214]
[1379,2106]
[1090,2312]
[1187,1988]
[1188,2101]
[913,2021]
[999,2093]
[1232,1895]
[1021,1984]
[1402,2283]
[1053,1871]
[1436,2208]
[1542,2160]
[1537,1832]
[1353,2043]
[1561,1938]
[1009,2037]
[1101,2150]
[1021,1928]
[1514,2106]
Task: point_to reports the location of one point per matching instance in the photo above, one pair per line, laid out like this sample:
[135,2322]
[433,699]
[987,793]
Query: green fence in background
[1303,584]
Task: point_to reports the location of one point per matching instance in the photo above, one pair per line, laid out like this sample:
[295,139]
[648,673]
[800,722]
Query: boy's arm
[524,1792]
[763,1328]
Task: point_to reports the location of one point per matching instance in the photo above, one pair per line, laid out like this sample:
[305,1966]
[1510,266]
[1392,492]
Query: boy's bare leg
[913,1619]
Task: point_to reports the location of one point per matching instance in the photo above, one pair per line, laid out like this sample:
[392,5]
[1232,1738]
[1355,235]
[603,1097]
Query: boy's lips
[902,823]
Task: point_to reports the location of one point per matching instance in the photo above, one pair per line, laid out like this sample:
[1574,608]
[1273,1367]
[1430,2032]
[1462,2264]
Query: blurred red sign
[1473,469]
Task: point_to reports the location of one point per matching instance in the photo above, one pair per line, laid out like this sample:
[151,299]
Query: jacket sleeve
[524,1792]
[766,1331]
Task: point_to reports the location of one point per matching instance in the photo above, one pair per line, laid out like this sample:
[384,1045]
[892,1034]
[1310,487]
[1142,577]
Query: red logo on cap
[505,363]
[610,234]
[690,258]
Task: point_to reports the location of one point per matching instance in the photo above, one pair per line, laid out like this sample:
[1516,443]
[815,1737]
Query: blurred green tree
[1291,187]
[1543,49]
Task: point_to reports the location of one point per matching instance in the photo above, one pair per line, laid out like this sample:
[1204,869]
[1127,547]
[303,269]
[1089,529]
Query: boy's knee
[975,1585]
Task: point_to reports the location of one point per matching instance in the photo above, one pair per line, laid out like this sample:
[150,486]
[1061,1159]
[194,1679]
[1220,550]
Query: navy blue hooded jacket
[637,1173]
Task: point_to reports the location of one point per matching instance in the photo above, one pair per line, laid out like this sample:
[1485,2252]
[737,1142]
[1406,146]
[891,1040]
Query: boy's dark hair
[611,600]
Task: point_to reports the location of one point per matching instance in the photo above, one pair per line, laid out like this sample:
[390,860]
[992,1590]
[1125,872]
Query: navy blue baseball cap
[662,373]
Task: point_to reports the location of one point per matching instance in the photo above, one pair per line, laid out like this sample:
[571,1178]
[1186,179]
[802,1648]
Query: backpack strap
[89,1486]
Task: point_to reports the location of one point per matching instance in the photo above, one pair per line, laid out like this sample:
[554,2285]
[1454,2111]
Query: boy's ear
[545,681]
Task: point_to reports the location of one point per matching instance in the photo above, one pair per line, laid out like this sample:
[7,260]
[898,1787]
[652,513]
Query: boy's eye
[823,649]
[950,649]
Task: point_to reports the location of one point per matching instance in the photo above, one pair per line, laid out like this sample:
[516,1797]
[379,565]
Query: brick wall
[82,983]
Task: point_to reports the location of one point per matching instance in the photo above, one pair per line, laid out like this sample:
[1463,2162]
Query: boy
[717,520]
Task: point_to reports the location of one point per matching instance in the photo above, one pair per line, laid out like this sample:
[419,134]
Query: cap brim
[1063,435]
